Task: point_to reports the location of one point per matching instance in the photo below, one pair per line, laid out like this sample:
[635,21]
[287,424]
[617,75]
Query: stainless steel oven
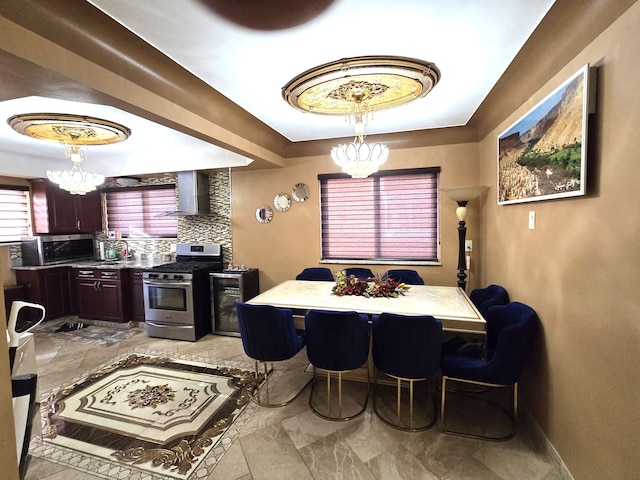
[169,302]
[176,295]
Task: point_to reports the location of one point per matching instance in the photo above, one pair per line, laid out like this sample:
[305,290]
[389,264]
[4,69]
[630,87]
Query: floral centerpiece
[367,287]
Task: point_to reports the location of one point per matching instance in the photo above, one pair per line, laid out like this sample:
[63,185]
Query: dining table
[451,305]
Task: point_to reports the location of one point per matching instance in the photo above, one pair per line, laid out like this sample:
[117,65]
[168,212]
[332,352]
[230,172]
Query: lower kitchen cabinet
[137,294]
[49,287]
[100,295]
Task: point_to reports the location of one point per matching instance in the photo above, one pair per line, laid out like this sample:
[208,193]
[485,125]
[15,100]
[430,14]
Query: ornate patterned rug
[147,416]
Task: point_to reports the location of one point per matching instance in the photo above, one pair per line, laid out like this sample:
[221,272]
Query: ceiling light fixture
[75,133]
[354,88]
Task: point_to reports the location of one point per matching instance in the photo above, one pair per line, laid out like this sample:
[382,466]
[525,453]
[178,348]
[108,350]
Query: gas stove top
[193,258]
[189,266]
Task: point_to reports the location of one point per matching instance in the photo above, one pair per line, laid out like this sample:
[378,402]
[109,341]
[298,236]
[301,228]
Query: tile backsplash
[215,228]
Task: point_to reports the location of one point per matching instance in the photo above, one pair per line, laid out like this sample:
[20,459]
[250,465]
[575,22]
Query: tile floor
[293,443]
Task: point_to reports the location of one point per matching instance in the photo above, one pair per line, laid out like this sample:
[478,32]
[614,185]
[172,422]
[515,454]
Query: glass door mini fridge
[227,288]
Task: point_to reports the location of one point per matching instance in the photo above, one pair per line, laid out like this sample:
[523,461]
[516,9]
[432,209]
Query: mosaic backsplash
[215,228]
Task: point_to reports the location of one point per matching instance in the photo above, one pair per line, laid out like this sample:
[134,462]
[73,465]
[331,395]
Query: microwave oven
[52,249]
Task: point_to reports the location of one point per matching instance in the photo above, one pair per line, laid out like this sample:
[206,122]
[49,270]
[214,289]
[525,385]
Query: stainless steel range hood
[193,194]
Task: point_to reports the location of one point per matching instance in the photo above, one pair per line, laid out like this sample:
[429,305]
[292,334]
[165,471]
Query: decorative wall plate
[300,192]
[264,214]
[282,202]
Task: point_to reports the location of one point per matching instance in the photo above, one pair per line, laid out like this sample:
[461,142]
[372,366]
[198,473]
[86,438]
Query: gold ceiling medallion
[75,133]
[70,129]
[395,81]
[354,88]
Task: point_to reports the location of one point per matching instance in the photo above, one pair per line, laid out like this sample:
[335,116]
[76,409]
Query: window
[14,213]
[391,216]
[138,211]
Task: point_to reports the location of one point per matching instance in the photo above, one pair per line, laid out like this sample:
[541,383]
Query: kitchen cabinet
[100,294]
[137,294]
[57,211]
[49,287]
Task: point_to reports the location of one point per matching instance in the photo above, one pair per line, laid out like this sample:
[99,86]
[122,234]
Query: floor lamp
[462,195]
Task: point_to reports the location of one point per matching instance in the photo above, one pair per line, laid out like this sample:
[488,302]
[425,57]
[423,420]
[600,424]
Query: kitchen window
[15,217]
[388,217]
[140,211]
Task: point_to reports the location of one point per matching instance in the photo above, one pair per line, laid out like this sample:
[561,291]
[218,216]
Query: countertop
[101,264]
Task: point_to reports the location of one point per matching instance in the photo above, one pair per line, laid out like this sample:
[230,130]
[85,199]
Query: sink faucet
[127,252]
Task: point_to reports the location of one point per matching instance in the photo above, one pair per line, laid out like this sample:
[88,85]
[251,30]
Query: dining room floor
[293,443]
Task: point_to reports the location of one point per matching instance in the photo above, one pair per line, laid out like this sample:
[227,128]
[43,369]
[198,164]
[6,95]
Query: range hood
[193,194]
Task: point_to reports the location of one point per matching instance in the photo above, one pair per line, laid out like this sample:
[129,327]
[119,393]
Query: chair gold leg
[255,397]
[397,424]
[328,415]
[513,406]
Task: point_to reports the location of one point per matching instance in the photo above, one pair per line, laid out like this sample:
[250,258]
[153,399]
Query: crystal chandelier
[75,181]
[75,133]
[354,88]
[359,158]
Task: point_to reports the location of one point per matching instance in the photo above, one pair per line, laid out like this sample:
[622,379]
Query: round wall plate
[264,214]
[282,202]
[300,192]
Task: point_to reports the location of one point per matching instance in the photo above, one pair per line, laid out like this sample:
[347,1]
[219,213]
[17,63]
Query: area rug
[147,416]
[89,335]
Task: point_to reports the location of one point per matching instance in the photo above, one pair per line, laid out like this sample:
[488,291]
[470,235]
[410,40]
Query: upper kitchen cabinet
[57,211]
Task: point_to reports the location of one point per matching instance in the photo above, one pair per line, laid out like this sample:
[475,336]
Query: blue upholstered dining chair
[336,342]
[358,272]
[510,328]
[485,298]
[410,277]
[268,335]
[317,274]
[406,348]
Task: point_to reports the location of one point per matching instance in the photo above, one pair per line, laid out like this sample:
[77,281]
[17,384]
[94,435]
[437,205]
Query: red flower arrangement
[367,287]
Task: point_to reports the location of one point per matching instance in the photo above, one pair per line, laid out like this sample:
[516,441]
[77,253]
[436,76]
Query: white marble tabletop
[449,304]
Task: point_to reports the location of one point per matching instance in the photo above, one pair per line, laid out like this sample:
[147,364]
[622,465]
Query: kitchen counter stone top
[100,264]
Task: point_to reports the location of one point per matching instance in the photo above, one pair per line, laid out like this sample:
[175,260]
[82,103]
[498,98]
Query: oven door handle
[167,284]
[164,325]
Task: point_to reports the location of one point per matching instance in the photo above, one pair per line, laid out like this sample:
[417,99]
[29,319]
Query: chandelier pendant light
[75,133]
[356,87]
[358,158]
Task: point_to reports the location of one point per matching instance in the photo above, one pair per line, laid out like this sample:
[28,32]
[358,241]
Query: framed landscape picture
[543,155]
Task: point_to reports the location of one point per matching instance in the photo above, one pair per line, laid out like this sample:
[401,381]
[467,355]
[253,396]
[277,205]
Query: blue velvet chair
[485,298]
[268,335]
[337,342]
[406,348]
[410,277]
[510,328]
[316,274]
[358,272]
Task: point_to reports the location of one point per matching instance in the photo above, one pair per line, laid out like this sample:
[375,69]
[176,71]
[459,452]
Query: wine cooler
[227,288]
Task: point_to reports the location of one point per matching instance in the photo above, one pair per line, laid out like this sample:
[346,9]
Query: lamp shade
[464,194]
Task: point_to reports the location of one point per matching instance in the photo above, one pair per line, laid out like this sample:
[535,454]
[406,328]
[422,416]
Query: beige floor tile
[271,455]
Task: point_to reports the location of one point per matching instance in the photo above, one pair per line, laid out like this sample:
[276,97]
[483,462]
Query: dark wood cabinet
[100,295]
[137,294]
[49,287]
[57,211]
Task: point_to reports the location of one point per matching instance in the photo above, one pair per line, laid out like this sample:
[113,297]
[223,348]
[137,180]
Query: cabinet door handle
[78,225]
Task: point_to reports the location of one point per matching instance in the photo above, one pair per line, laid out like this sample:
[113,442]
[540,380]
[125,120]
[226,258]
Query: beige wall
[579,270]
[291,241]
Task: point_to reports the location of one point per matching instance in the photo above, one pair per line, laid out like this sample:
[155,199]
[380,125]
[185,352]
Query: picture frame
[543,155]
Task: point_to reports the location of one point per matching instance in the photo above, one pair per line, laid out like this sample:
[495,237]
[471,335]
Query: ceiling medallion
[377,82]
[355,87]
[75,133]
[69,129]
